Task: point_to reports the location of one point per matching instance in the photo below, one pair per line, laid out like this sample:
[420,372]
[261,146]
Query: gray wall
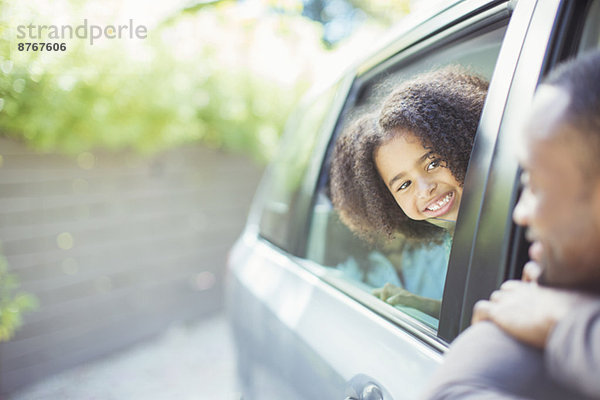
[115,247]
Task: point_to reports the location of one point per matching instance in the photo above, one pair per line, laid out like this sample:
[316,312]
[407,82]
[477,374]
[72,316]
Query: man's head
[560,157]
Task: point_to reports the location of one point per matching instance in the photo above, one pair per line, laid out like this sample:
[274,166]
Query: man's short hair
[580,78]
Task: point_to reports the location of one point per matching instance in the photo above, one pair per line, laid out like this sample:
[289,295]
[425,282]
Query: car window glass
[287,171]
[417,267]
[590,38]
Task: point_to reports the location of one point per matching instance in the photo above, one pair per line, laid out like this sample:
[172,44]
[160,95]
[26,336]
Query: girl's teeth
[440,203]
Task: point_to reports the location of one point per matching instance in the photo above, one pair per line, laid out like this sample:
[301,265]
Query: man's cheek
[544,215]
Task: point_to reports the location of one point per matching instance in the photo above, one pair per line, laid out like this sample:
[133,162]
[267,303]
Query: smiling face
[560,202]
[419,181]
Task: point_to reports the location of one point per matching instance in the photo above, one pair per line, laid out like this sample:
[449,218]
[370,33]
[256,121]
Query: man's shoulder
[485,362]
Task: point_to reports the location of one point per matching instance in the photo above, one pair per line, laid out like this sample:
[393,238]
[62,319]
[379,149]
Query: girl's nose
[426,187]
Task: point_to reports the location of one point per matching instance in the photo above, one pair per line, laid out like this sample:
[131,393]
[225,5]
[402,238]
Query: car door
[304,327]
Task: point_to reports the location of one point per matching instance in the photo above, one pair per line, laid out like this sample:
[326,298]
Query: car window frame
[460,271]
[453,31]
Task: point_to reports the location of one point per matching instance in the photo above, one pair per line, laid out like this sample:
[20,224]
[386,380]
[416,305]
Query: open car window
[359,267]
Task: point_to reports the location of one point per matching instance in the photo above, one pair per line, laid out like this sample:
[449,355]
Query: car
[304,320]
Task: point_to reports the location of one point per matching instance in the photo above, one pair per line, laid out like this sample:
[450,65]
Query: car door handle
[364,387]
[370,392]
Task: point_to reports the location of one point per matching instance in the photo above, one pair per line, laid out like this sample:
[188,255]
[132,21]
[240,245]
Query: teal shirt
[422,270]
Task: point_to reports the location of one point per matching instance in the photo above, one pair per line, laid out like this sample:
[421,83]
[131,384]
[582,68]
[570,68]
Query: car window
[417,267]
[285,175]
[590,38]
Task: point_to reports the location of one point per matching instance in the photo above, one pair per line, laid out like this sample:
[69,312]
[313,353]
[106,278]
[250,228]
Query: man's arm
[572,353]
[565,324]
[484,363]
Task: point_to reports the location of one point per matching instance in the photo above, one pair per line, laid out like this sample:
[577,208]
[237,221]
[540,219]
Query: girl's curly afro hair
[442,109]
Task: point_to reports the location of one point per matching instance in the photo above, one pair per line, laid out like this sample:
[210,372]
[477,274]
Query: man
[548,344]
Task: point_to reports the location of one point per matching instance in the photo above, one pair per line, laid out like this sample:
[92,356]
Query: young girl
[401,173]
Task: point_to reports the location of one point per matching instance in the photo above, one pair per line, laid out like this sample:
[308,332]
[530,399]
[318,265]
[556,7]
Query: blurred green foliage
[384,11]
[197,77]
[223,73]
[12,302]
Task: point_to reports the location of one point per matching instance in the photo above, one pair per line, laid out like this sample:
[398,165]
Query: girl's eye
[403,186]
[433,165]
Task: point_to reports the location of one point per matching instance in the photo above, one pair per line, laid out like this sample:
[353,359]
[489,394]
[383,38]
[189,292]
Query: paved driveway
[186,362]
